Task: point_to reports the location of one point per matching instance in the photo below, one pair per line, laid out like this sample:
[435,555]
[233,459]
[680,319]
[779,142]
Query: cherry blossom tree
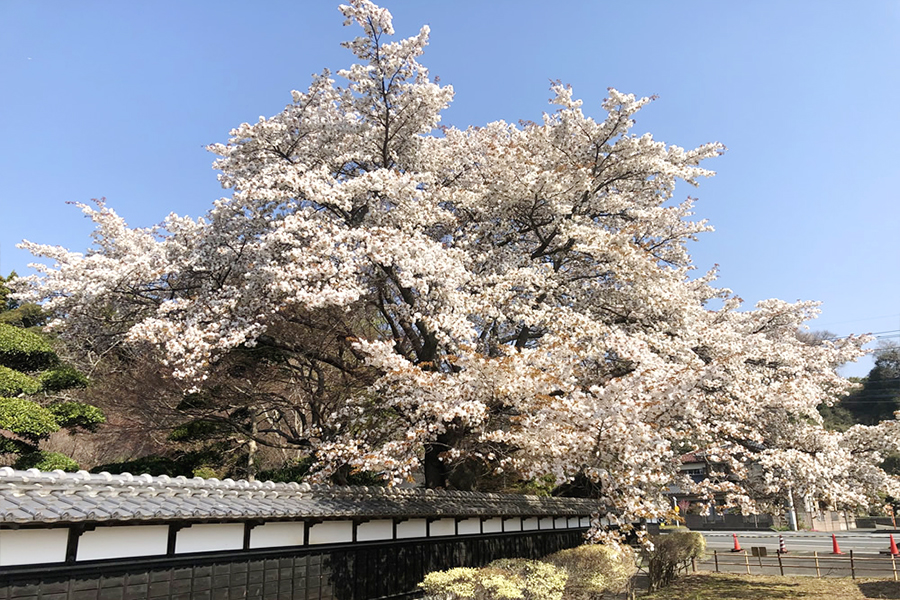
[432,300]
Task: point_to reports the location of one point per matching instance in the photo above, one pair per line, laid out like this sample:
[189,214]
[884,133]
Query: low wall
[362,571]
[102,537]
[728,522]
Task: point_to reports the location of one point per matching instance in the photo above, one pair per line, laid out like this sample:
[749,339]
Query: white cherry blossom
[516,296]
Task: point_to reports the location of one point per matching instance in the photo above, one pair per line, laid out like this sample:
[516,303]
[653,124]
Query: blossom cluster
[518,296]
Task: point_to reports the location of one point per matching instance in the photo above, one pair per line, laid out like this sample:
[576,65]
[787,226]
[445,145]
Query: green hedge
[13,383]
[24,350]
[26,418]
[46,461]
[13,446]
[62,378]
[77,414]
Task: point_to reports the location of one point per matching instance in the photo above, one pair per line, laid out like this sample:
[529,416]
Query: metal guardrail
[829,563]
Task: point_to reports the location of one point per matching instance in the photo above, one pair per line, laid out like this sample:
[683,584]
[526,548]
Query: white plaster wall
[494,525]
[466,526]
[382,529]
[573,521]
[514,524]
[277,534]
[209,537]
[122,541]
[331,532]
[561,523]
[529,524]
[442,527]
[585,521]
[32,546]
[546,523]
[412,528]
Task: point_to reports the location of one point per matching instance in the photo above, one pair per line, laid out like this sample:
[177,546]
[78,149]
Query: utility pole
[792,512]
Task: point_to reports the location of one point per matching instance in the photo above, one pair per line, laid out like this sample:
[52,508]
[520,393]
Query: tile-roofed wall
[35,497]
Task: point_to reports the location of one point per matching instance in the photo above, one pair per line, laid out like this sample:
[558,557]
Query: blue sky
[119,99]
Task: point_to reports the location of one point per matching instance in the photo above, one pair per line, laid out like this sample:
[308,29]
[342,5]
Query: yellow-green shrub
[505,579]
[461,582]
[539,580]
[595,569]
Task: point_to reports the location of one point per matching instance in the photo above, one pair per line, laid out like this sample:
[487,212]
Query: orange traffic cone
[835,549]
[781,548]
[893,549]
[737,545]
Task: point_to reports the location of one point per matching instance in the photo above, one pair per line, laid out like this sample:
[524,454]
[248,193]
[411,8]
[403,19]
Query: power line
[895,315]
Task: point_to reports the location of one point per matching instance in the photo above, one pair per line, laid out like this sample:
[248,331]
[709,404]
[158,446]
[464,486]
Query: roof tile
[34,496]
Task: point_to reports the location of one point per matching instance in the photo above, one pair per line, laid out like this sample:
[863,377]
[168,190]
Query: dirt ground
[722,586]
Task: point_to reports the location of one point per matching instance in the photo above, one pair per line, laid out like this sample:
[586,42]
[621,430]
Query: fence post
[816,554]
[716,558]
[747,561]
[852,566]
[780,565]
[894,566]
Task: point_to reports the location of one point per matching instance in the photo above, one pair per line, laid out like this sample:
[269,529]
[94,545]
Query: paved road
[800,560]
[802,541]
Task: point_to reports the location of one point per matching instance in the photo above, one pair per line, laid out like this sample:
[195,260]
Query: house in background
[698,514]
[696,511]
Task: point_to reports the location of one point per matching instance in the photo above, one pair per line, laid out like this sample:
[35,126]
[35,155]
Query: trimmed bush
[62,378]
[13,383]
[26,418]
[671,555]
[24,350]
[205,472]
[461,582]
[595,569]
[538,580]
[46,461]
[195,431]
[502,579]
[77,414]
[13,446]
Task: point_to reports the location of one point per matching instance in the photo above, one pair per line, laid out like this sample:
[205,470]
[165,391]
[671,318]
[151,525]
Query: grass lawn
[723,586]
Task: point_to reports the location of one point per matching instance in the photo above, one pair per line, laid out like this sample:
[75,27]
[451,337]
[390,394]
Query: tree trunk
[436,470]
[252,448]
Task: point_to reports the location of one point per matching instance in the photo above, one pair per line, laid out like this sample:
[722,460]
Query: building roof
[35,497]
[698,456]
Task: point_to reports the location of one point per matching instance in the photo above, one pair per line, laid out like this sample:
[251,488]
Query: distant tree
[815,338]
[26,314]
[32,383]
[878,398]
[836,416]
